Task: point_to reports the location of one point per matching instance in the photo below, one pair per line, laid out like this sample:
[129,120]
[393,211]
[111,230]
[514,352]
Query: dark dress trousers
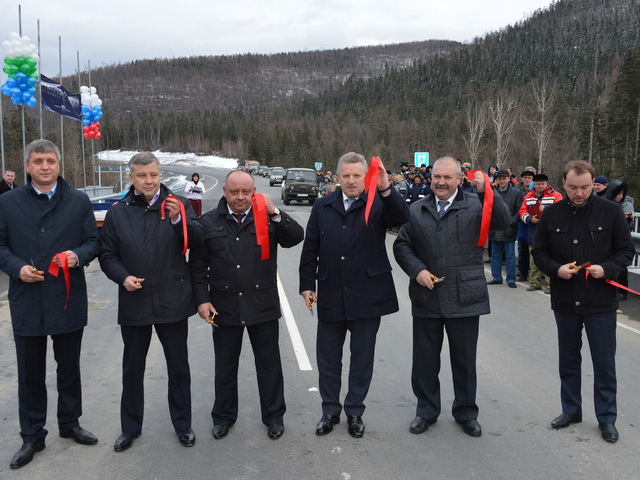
[348,262]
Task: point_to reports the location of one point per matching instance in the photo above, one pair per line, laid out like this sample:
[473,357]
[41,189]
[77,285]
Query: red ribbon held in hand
[261,223]
[487,207]
[54,269]
[610,282]
[370,185]
[184,220]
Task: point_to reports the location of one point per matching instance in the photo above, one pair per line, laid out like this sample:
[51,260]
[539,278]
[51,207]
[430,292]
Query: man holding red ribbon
[440,248]
[235,287]
[345,253]
[143,252]
[43,223]
[583,243]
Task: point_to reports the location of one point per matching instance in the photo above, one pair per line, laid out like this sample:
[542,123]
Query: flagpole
[93,165]
[61,116]
[39,85]
[24,139]
[84,167]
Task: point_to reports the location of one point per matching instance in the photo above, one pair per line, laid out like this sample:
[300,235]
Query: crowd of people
[440,212]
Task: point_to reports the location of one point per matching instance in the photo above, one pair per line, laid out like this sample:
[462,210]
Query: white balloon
[93,90]
[13,35]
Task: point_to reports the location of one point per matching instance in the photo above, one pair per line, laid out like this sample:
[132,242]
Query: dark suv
[299,184]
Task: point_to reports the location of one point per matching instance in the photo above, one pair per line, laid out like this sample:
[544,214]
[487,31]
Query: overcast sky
[112,31]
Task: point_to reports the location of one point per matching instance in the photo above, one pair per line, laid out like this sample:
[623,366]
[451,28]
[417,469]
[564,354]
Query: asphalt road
[518,395]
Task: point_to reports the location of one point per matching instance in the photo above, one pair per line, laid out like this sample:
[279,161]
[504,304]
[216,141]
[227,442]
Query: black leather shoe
[186,437]
[609,432]
[470,427]
[125,440]
[79,435]
[420,424]
[220,431]
[326,423]
[275,431]
[566,419]
[356,427]
[512,285]
[494,282]
[26,452]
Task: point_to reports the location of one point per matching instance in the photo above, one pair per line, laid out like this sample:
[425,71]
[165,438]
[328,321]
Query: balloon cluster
[21,65]
[91,112]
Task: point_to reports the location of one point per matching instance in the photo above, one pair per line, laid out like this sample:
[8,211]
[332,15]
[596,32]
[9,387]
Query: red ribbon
[184,220]
[262,225]
[610,282]
[54,269]
[487,207]
[370,185]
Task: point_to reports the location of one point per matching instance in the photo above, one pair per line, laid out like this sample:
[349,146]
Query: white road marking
[294,333]
[627,327]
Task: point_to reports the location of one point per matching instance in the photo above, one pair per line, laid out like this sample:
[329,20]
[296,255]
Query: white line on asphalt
[627,327]
[294,333]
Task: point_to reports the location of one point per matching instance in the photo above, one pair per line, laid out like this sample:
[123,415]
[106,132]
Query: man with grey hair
[347,258]
[45,224]
[438,249]
[144,255]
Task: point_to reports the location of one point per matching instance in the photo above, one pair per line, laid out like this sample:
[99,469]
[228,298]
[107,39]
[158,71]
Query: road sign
[318,165]
[420,158]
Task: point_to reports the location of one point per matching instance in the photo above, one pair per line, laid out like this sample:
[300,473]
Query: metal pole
[24,140]
[39,86]
[84,167]
[61,116]
[1,135]
[93,160]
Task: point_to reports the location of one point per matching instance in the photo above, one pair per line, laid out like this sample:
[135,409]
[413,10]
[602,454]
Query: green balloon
[32,62]
[18,61]
[26,69]
[8,60]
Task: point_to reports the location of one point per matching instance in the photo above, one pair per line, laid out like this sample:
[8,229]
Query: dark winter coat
[512,197]
[227,269]
[596,233]
[348,259]
[136,241]
[32,227]
[447,247]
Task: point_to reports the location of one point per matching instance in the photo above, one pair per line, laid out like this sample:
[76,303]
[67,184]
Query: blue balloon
[11,82]
[6,90]
[32,102]
[86,122]
[85,108]
[15,100]
[32,81]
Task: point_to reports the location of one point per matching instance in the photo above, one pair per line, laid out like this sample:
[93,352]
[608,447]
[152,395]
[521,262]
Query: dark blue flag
[57,99]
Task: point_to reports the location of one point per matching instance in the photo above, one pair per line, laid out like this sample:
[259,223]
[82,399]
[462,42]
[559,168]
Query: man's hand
[72,260]
[383,180]
[596,271]
[30,275]
[478,181]
[425,278]
[132,283]
[269,204]
[309,297]
[206,311]
[173,205]
[567,271]
[534,220]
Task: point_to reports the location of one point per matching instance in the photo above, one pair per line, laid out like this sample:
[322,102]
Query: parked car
[276,176]
[299,184]
[264,171]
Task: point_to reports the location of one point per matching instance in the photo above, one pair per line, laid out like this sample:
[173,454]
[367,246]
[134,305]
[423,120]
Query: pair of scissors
[579,267]
[435,279]
[312,300]
[33,267]
[210,319]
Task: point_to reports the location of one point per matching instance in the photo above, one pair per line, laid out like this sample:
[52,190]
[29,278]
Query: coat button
[341,258]
[237,266]
[257,286]
[599,228]
[575,240]
[557,230]
[577,304]
[344,227]
[240,294]
[237,239]
[42,229]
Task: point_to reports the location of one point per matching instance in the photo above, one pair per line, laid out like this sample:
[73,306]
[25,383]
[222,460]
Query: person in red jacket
[533,204]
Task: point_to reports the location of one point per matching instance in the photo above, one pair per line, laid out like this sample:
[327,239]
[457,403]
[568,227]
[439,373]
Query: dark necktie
[442,203]
[239,217]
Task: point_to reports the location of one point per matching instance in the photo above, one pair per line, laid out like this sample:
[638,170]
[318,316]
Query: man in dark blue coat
[348,258]
[41,219]
[142,253]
